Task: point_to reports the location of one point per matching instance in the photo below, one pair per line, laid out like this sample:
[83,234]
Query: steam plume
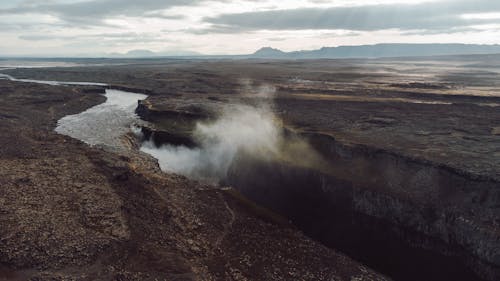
[240,130]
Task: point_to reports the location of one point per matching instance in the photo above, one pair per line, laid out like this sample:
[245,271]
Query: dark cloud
[94,11]
[14,27]
[163,16]
[38,37]
[439,15]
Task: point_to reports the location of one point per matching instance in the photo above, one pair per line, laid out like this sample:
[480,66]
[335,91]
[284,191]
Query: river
[103,124]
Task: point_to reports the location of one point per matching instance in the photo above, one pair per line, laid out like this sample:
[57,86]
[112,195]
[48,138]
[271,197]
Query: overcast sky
[97,27]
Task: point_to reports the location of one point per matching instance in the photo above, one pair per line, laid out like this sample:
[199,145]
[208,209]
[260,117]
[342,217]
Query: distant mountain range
[361,51]
[151,54]
[379,51]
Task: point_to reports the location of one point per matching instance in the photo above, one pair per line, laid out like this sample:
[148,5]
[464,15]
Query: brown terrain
[409,182]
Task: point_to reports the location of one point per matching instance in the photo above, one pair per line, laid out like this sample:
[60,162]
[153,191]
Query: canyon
[394,164]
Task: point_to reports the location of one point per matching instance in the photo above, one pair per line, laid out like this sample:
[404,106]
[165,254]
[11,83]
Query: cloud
[164,16]
[93,12]
[41,37]
[452,30]
[277,39]
[439,15]
[240,26]
[102,39]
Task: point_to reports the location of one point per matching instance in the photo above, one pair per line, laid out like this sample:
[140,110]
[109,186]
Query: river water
[49,82]
[103,124]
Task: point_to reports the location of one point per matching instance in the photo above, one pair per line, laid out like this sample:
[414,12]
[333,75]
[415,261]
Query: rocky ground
[413,185]
[73,212]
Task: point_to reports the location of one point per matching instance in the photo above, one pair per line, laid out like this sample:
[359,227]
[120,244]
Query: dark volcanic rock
[72,212]
[416,155]
[414,146]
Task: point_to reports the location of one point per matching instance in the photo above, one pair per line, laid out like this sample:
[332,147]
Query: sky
[216,27]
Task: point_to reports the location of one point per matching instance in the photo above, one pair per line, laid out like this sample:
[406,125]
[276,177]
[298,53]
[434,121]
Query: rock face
[414,170]
[69,211]
[378,206]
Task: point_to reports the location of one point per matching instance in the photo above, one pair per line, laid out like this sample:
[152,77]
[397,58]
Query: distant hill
[379,51]
[268,52]
[140,53]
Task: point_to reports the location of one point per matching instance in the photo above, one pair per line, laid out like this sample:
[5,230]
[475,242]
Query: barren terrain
[73,212]
[410,184]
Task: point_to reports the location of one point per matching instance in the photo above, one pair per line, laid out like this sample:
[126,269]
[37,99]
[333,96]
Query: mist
[240,128]
[240,131]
